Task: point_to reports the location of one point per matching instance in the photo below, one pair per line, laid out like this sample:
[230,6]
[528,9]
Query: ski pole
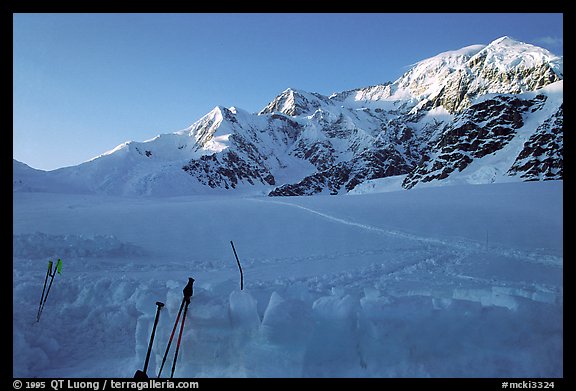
[45,297]
[187,291]
[239,267]
[48,272]
[171,337]
[179,338]
[142,374]
[160,305]
[52,273]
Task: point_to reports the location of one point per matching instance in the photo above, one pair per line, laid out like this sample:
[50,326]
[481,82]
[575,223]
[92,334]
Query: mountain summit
[480,114]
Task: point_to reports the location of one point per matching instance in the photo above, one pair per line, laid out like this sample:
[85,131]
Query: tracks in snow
[461,245]
[437,264]
[399,252]
[458,244]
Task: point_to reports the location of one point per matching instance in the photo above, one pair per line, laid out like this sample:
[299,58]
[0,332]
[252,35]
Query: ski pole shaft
[239,267]
[160,305]
[179,339]
[48,291]
[43,302]
[171,337]
[43,291]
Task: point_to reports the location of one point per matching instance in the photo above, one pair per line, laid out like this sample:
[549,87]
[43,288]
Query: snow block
[374,306]
[286,321]
[336,308]
[494,296]
[501,297]
[334,347]
[285,334]
[243,311]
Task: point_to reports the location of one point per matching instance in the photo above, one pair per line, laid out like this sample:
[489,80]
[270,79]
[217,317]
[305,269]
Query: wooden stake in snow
[239,267]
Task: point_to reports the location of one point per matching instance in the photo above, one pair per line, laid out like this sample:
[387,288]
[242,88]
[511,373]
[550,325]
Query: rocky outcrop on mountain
[227,170]
[541,157]
[345,176]
[482,129]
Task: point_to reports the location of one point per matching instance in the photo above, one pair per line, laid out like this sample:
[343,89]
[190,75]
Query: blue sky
[84,83]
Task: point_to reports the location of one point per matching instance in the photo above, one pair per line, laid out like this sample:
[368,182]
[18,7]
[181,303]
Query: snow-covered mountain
[480,114]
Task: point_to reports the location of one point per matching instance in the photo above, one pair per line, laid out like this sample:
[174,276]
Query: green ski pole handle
[59,266]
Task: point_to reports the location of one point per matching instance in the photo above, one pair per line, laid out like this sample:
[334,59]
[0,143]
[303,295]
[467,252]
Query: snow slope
[460,281]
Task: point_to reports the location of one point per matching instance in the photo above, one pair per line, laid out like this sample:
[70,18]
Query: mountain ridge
[444,115]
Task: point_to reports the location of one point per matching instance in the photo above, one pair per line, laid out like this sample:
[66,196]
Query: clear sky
[84,83]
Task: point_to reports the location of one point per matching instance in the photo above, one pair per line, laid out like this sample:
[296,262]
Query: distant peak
[292,91]
[295,102]
[221,112]
[507,50]
[503,39]
[507,43]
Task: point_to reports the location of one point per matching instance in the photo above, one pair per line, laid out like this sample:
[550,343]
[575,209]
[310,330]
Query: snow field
[380,285]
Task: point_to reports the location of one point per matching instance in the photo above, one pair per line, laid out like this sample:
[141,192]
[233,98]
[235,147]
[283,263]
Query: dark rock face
[480,130]
[542,155]
[331,179]
[345,176]
[225,171]
[321,154]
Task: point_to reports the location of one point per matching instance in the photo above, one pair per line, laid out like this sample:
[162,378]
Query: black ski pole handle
[188,290]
